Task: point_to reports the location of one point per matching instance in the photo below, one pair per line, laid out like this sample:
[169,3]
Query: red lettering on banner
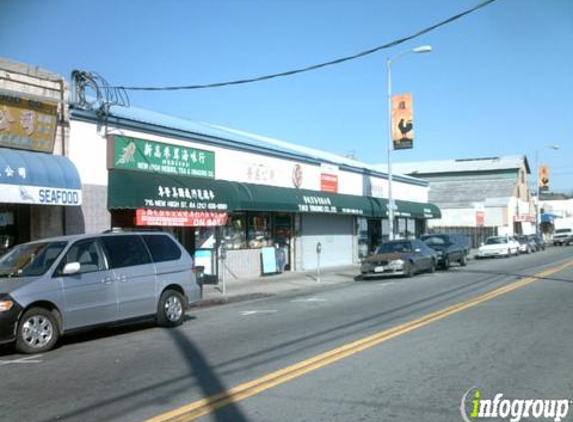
[180,218]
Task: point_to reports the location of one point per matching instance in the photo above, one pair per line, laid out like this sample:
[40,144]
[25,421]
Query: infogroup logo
[512,409]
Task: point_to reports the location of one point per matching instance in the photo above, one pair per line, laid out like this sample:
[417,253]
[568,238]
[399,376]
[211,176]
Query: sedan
[399,257]
[495,246]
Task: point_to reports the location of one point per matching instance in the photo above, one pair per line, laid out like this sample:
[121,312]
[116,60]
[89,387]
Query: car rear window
[162,248]
[125,251]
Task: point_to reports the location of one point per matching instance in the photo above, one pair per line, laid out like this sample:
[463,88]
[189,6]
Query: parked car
[514,244]
[526,245]
[399,257]
[539,242]
[495,246]
[563,237]
[55,286]
[449,248]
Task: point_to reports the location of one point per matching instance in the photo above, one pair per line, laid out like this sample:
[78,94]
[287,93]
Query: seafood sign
[156,157]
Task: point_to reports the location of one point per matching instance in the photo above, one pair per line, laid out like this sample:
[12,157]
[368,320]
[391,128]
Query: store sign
[297,176]
[402,121]
[328,178]
[27,123]
[185,199]
[168,218]
[23,194]
[329,183]
[480,219]
[321,204]
[524,219]
[155,157]
[260,173]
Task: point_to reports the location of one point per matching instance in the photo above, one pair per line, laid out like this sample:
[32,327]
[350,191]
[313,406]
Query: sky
[498,82]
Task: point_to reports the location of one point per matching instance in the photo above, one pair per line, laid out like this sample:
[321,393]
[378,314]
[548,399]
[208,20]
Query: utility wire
[316,66]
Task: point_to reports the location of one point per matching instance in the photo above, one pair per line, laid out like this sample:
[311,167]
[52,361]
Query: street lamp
[421,49]
[537,187]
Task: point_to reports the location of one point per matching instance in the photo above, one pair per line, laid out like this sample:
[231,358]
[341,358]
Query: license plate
[379,269]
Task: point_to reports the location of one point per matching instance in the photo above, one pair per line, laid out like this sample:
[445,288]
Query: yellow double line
[210,404]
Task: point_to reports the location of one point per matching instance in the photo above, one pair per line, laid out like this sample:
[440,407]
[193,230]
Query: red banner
[179,218]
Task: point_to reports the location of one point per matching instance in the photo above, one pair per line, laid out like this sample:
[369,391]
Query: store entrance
[201,243]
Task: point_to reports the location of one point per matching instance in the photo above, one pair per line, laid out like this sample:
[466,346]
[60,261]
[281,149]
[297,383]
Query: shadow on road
[207,380]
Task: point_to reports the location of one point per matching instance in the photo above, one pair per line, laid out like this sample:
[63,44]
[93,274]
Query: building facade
[478,196]
[262,203]
[40,189]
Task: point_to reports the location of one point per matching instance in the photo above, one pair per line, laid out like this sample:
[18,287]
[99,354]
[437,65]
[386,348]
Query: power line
[316,66]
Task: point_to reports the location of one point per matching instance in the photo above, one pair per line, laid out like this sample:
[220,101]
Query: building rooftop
[463,165]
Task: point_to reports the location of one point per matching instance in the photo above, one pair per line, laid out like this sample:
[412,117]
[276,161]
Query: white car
[514,244]
[498,246]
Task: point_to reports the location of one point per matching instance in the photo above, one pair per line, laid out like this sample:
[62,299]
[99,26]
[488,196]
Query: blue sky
[499,82]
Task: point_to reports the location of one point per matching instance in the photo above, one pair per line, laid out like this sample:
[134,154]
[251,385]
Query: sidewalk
[271,285]
[287,282]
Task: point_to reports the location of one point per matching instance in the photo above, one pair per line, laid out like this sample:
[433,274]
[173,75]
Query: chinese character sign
[27,124]
[402,121]
[139,154]
[543,178]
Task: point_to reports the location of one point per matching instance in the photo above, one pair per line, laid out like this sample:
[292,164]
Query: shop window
[205,237]
[235,232]
[259,231]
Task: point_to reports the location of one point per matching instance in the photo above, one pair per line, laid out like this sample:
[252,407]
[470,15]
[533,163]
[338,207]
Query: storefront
[34,189]
[207,215]
[263,208]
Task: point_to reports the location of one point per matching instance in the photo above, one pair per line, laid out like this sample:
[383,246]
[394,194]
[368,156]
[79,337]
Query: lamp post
[538,188]
[421,49]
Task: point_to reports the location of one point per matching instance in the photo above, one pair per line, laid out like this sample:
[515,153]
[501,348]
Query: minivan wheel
[464,260]
[171,309]
[38,331]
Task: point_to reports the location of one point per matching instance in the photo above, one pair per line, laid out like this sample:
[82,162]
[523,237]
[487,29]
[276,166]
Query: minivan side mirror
[71,268]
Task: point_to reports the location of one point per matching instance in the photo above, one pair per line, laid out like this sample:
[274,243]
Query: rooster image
[405,128]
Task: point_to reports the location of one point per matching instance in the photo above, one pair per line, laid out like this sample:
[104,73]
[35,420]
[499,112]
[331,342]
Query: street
[376,350]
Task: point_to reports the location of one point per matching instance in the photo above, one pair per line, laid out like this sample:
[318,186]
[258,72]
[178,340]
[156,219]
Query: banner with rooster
[543,178]
[402,121]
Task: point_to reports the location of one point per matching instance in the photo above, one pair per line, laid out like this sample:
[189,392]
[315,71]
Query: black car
[399,257]
[449,248]
[539,242]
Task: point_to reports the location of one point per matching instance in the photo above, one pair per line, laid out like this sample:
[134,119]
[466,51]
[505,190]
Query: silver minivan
[54,286]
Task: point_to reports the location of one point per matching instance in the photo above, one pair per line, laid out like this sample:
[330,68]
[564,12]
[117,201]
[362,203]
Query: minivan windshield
[30,259]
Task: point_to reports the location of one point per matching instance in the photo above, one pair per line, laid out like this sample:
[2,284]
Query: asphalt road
[376,350]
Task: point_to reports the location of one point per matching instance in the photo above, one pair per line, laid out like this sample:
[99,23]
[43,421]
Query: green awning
[416,210]
[130,189]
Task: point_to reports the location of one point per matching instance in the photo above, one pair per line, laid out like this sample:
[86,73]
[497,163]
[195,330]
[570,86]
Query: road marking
[270,311]
[29,359]
[310,299]
[243,391]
